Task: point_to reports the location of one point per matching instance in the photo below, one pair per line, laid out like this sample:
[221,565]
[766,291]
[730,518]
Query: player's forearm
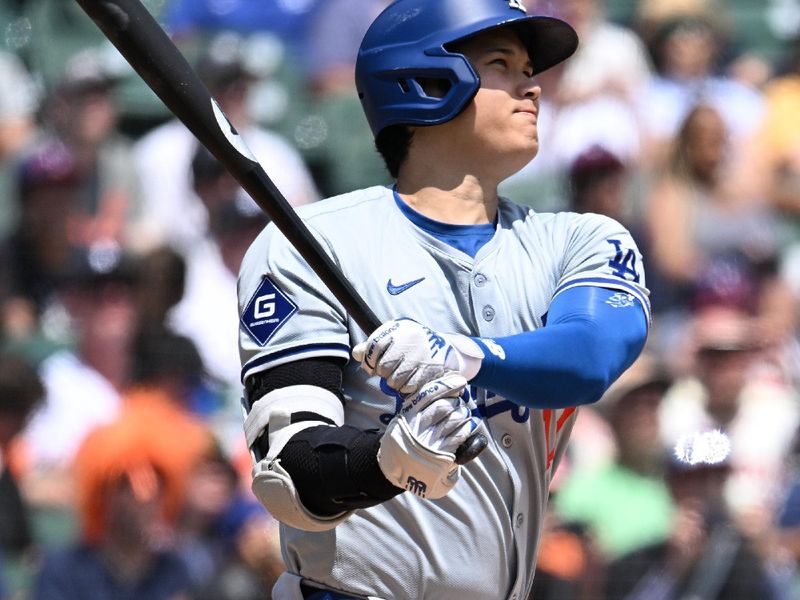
[588,342]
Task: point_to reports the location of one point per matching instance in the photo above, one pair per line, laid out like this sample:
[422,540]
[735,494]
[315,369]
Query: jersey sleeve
[286,312]
[600,252]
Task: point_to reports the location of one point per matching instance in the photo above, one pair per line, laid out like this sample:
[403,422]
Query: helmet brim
[549,40]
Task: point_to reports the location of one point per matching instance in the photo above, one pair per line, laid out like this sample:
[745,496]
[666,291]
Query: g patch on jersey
[267,311]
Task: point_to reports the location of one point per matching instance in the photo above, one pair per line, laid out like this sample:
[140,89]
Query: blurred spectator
[160,286]
[81,112]
[49,32]
[706,555]
[253,560]
[21,393]
[18,103]
[127,562]
[599,88]
[132,477]
[211,489]
[651,15]
[624,504]
[686,50]
[168,387]
[334,135]
[706,243]
[597,183]
[173,214]
[171,364]
[780,138]
[335,31]
[787,534]
[39,252]
[777,158]
[99,311]
[568,566]
[287,20]
[213,266]
[169,381]
[611,59]
[727,390]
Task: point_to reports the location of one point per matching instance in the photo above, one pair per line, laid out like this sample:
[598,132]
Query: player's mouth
[532,113]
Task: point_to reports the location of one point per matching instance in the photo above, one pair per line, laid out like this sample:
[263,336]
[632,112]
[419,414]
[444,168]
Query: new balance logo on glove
[417,487]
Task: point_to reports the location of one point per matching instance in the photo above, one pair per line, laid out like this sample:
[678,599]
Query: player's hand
[417,451]
[408,355]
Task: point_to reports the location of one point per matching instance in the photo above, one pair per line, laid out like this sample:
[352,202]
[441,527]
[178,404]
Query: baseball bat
[152,54]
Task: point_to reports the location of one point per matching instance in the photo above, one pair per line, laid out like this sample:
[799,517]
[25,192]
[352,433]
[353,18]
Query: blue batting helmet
[408,42]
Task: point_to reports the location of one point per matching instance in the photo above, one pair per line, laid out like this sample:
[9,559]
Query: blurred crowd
[123,469]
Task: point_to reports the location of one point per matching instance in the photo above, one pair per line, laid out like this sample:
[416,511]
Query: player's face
[500,125]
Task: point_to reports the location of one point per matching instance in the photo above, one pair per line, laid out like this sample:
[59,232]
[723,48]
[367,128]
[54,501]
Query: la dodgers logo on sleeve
[267,311]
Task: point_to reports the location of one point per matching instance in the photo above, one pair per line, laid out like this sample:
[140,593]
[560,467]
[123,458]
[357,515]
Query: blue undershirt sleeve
[591,336]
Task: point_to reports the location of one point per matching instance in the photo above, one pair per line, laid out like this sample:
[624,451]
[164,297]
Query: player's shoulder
[343,215]
[348,213]
[561,221]
[587,221]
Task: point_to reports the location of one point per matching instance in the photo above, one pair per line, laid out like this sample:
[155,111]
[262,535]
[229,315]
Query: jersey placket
[488,303]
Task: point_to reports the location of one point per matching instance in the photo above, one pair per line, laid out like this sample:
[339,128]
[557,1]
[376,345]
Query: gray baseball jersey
[480,541]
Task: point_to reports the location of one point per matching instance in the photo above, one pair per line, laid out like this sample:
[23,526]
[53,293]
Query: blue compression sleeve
[587,342]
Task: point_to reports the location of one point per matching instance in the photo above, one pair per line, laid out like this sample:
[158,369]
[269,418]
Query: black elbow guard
[335,469]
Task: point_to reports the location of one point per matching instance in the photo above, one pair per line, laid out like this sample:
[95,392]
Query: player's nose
[526,85]
[529,89]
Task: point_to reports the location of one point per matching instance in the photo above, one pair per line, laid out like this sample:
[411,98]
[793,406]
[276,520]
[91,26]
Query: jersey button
[480,280]
[520,520]
[506,441]
[488,313]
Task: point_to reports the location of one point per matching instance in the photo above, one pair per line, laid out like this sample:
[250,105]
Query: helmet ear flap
[428,94]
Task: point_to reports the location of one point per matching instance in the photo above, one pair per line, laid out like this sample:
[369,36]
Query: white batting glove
[417,451]
[408,355]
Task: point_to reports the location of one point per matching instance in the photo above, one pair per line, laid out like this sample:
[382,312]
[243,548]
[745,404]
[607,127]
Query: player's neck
[466,203]
[446,197]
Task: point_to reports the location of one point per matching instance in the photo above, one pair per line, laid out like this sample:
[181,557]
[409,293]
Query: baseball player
[500,322]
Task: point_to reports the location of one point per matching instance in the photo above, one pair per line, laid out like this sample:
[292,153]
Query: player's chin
[526,138]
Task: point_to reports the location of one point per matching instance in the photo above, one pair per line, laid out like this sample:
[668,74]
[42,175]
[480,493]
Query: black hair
[205,167]
[21,388]
[163,353]
[393,143]
[683,23]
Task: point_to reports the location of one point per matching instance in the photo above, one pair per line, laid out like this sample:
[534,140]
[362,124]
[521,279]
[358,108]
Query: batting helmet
[409,41]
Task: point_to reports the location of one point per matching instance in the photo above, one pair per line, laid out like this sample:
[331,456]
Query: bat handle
[471,448]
